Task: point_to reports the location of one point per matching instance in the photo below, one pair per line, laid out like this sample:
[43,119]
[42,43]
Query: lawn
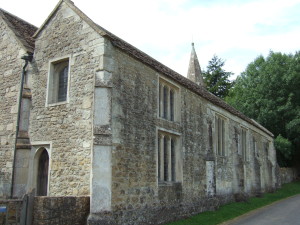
[232,210]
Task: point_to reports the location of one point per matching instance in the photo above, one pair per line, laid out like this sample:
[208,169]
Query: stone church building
[84,113]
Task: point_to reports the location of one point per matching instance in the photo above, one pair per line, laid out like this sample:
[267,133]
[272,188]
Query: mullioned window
[167,157]
[168,101]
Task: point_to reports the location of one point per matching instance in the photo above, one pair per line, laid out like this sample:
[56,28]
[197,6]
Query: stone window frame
[244,146]
[266,146]
[52,89]
[173,169]
[255,147]
[221,135]
[168,100]
[237,138]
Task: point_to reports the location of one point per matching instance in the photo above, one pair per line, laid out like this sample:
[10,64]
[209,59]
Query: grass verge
[232,210]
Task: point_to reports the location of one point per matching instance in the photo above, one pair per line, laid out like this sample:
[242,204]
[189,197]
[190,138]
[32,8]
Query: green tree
[284,150]
[269,92]
[216,78]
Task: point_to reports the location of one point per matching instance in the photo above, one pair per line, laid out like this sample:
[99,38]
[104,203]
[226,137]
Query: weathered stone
[60,210]
[12,214]
[11,69]
[104,140]
[288,175]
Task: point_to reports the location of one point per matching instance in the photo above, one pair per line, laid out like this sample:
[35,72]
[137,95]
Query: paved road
[285,212]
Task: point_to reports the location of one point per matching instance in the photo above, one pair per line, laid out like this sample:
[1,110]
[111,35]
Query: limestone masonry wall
[66,129]
[12,214]
[137,197]
[121,120]
[61,210]
[287,175]
[10,76]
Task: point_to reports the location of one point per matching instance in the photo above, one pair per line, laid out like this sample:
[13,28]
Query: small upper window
[168,96]
[58,81]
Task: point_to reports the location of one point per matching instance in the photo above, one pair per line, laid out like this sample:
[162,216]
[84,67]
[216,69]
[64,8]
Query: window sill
[56,103]
[167,183]
[170,121]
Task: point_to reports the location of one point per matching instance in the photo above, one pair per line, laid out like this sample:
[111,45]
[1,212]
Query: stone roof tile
[22,29]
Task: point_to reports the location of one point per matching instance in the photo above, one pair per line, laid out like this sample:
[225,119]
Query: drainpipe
[27,58]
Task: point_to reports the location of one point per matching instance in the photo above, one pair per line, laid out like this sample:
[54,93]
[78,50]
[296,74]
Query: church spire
[194,72]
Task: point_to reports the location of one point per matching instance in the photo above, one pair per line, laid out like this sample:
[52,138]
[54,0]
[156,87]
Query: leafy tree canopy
[216,78]
[269,92]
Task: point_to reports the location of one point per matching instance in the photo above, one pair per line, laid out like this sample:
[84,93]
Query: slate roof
[22,29]
[159,67]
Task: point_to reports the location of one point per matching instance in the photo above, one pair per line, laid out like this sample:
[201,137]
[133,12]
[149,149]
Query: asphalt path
[284,212]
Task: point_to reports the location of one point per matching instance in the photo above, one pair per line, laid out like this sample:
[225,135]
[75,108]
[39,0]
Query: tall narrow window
[219,128]
[255,150]
[210,138]
[58,81]
[173,159]
[42,179]
[236,139]
[159,100]
[171,105]
[220,132]
[244,145]
[223,138]
[63,84]
[165,102]
[166,159]
[266,148]
[158,156]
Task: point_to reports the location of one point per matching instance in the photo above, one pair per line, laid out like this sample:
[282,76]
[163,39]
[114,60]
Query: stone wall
[11,66]
[137,197]
[160,214]
[109,126]
[134,135]
[13,212]
[287,175]
[65,129]
[61,210]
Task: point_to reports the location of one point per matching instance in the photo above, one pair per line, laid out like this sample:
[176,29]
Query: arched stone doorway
[42,174]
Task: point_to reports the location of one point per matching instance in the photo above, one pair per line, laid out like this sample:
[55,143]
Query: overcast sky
[235,30]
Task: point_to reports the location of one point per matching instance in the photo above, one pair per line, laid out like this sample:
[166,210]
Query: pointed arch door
[42,174]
